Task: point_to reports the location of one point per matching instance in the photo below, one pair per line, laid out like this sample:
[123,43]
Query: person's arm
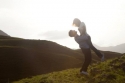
[81,38]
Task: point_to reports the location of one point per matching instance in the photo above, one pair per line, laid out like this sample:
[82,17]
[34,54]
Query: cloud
[55,35]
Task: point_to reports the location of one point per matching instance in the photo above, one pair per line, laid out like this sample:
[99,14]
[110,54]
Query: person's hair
[71,33]
[77,22]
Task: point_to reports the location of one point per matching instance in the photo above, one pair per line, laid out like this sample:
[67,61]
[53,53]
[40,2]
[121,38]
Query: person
[82,41]
[82,29]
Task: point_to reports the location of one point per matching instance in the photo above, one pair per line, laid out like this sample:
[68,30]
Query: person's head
[76,22]
[72,33]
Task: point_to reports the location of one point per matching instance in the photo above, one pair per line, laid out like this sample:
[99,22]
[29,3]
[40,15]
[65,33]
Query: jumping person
[82,29]
[82,41]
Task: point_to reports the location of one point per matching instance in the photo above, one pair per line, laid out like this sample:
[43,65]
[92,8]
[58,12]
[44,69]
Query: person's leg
[98,53]
[87,59]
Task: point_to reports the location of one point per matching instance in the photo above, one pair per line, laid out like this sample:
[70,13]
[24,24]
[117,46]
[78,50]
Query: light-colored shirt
[82,28]
[82,41]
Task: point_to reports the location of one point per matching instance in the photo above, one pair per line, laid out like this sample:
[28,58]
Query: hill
[118,48]
[110,71]
[108,55]
[21,58]
[3,33]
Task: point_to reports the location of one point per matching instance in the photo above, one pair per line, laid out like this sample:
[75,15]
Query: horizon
[51,20]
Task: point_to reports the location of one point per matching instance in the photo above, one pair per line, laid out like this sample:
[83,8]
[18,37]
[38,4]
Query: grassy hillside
[21,58]
[110,71]
[20,62]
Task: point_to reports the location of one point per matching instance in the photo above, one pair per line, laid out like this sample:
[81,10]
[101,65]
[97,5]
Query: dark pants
[87,59]
[98,53]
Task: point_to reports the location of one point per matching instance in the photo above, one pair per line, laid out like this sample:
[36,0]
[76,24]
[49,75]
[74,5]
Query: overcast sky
[52,19]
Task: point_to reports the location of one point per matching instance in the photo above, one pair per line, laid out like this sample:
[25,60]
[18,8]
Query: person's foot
[102,58]
[83,72]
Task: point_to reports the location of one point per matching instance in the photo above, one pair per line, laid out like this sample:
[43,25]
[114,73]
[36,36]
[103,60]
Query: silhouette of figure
[82,29]
[82,40]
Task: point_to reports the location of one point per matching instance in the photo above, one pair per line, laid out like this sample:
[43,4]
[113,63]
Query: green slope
[21,58]
[110,71]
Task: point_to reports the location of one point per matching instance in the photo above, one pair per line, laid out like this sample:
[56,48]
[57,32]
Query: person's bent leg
[98,53]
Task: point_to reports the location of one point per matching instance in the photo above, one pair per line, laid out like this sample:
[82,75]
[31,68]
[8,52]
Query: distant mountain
[119,48]
[21,58]
[3,33]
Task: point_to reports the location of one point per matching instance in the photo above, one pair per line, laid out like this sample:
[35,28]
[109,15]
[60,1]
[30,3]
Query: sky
[52,19]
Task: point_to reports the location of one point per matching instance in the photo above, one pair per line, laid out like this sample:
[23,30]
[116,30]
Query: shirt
[82,41]
[82,28]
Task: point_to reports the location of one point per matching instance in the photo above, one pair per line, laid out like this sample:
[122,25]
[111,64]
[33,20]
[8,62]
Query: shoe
[83,72]
[102,59]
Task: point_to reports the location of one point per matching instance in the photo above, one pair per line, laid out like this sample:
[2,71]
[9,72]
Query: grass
[66,76]
[110,71]
[21,58]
